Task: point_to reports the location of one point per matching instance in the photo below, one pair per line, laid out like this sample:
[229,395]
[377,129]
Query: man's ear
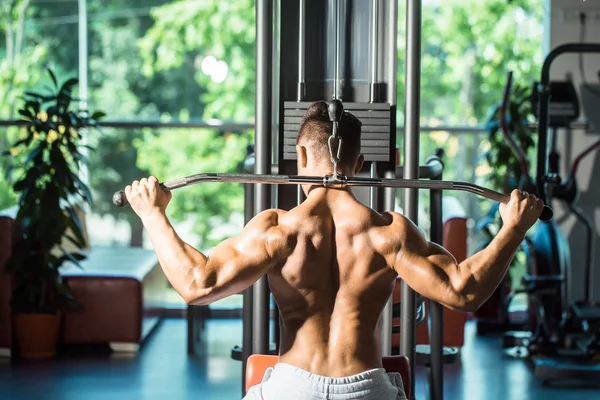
[359,164]
[302,156]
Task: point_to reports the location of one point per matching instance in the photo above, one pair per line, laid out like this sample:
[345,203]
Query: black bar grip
[547,214]
[119,199]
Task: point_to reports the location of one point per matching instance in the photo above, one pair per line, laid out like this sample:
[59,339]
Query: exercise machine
[576,352]
[563,337]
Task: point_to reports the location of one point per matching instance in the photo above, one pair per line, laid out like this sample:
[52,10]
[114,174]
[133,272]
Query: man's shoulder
[395,219]
[281,239]
[267,218]
[403,229]
[397,227]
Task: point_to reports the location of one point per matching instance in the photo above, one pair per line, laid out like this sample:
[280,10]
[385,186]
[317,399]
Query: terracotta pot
[37,334]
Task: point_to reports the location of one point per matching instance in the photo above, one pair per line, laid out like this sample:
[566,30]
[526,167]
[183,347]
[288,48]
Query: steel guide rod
[262,196]
[412,101]
[373,55]
[389,203]
[300,197]
[248,294]
[301,50]
[436,310]
[337,56]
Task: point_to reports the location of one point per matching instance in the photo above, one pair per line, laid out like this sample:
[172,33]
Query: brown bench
[122,291]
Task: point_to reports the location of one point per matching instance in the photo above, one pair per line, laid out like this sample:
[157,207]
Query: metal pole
[301,49]
[392,51]
[373,190]
[83,53]
[301,69]
[436,311]
[389,203]
[390,193]
[412,100]
[338,44]
[262,197]
[248,294]
[373,55]
[83,77]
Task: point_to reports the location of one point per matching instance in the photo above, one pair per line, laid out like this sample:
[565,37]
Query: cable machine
[310,50]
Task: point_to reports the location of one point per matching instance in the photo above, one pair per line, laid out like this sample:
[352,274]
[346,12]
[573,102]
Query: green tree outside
[146,62]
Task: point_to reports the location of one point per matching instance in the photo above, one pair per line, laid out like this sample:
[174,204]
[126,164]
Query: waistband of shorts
[374,376]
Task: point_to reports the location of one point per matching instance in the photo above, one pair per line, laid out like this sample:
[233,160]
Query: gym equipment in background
[563,337]
[590,100]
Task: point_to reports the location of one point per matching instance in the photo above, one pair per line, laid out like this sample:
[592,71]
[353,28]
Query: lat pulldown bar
[329,181]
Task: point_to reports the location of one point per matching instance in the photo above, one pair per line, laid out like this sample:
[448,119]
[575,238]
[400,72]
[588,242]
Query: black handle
[119,199]
[335,110]
[547,214]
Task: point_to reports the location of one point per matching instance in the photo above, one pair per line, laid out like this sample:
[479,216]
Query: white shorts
[286,382]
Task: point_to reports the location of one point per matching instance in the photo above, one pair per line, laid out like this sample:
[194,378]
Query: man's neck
[319,193]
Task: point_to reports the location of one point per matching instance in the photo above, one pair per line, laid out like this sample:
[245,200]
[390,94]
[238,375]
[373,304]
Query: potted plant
[505,174]
[44,173]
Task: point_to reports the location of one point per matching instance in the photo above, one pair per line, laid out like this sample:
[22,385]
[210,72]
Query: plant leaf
[34,153]
[26,113]
[85,191]
[75,223]
[69,84]
[8,173]
[75,241]
[97,115]
[73,257]
[53,77]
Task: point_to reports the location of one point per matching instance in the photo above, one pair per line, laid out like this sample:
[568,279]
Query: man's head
[312,143]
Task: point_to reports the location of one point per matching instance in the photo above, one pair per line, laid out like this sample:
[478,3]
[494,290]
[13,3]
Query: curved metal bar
[331,181]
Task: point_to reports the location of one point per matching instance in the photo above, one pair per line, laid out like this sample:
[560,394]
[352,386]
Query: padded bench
[122,291]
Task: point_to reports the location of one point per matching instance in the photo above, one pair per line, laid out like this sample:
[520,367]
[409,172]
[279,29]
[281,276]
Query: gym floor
[163,370]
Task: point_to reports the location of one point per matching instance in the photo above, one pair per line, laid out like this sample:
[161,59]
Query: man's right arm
[433,272]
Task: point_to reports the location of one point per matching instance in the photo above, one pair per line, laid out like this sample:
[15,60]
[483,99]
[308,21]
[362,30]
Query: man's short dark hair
[316,128]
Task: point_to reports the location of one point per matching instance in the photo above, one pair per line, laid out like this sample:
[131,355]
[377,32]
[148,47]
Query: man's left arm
[232,266]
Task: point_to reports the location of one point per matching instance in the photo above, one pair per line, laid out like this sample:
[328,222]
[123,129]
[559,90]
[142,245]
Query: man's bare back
[332,287]
[331,263]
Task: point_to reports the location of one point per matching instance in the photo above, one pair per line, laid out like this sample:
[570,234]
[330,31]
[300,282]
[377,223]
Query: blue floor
[163,370]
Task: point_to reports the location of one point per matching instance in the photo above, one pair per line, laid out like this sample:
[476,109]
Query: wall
[564,26]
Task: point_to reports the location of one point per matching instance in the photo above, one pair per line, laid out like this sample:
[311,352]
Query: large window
[468,48]
[204,214]
[181,67]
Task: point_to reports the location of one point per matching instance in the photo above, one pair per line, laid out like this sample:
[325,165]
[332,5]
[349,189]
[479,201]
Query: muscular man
[332,264]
